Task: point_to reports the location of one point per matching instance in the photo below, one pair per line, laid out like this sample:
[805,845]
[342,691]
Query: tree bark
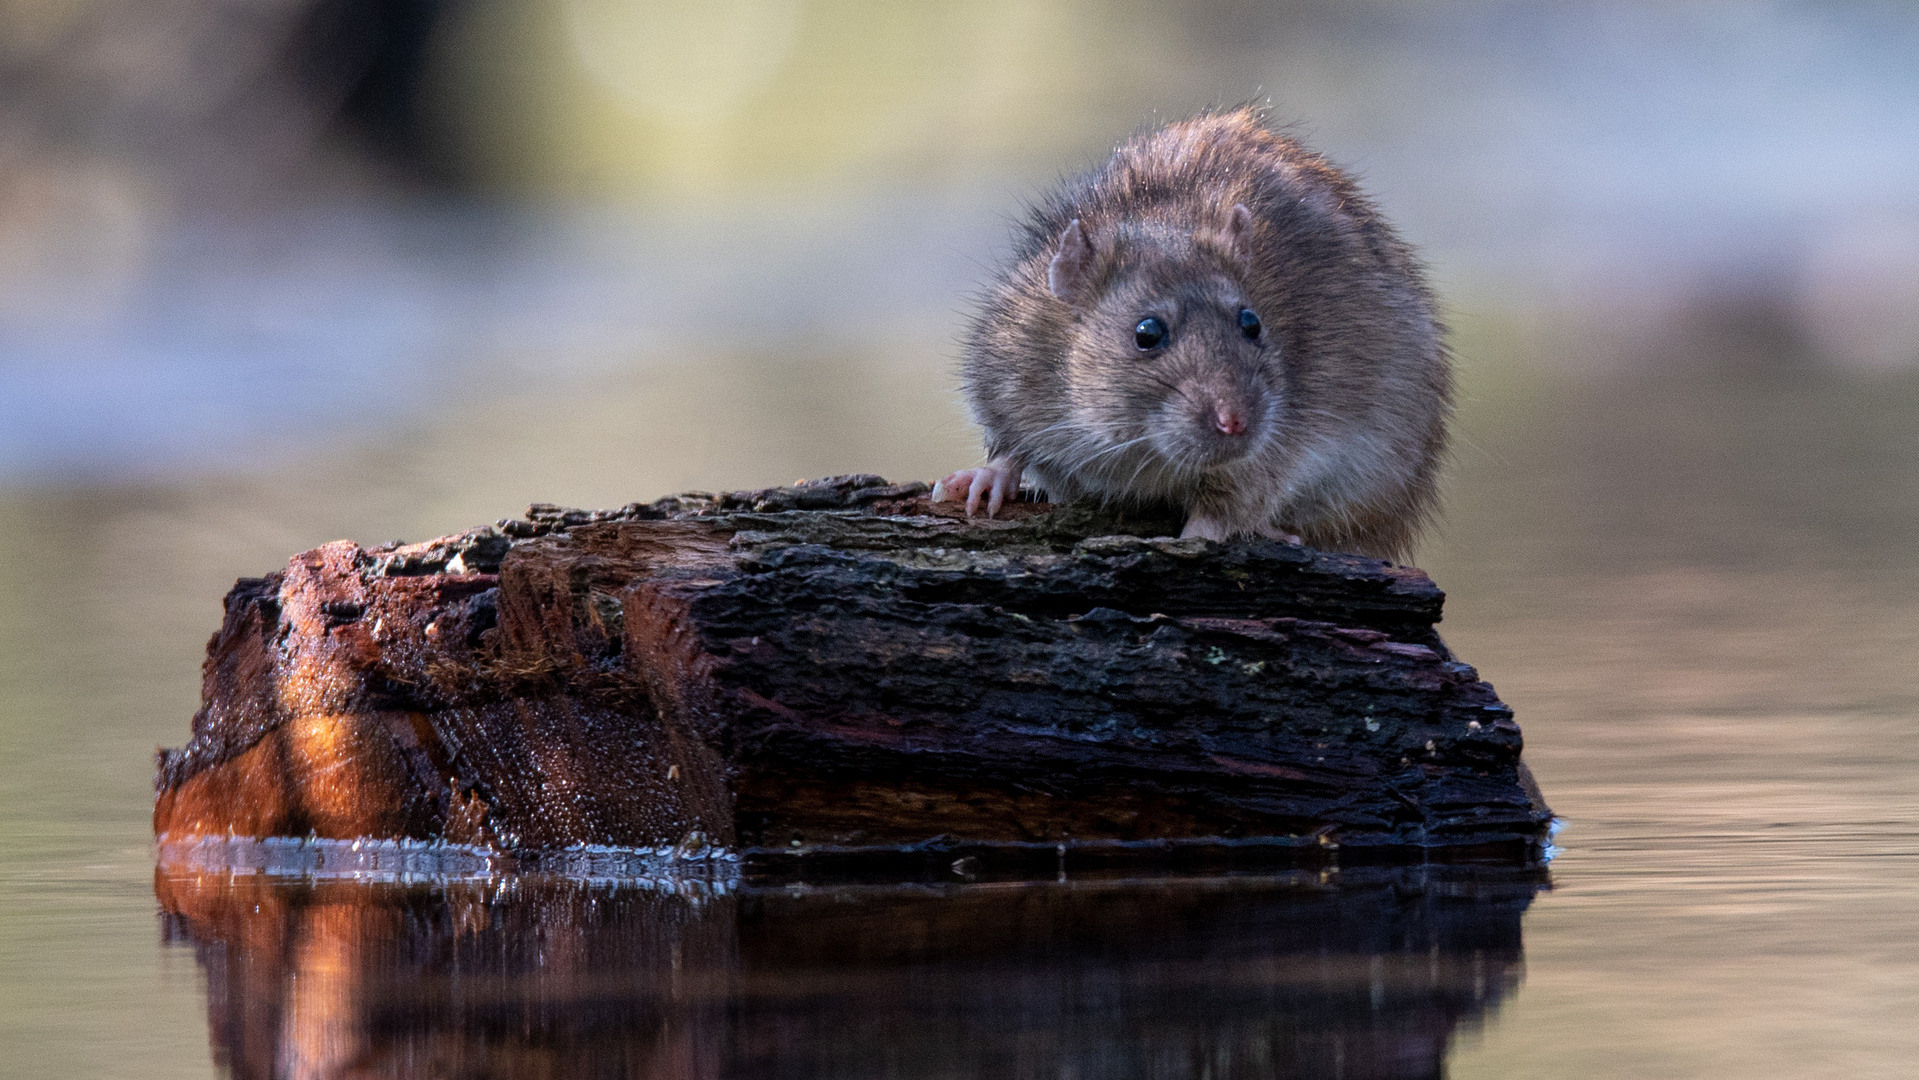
[842,667]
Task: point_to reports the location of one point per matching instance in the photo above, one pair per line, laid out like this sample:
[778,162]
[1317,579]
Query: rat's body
[1218,320]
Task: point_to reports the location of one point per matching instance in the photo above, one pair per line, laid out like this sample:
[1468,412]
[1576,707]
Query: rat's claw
[992,483]
[1004,483]
[976,485]
[952,486]
[956,486]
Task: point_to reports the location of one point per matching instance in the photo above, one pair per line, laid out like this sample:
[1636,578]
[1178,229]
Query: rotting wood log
[840,667]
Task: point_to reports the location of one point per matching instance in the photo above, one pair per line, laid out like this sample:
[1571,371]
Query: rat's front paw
[1279,533]
[995,482]
[1203,527]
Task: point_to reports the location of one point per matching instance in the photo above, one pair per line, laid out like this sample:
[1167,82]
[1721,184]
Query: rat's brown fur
[1345,392]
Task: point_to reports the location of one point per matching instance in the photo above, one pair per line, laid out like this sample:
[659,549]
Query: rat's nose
[1228,421]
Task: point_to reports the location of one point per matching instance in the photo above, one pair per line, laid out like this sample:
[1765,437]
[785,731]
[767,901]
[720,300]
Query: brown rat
[1215,319]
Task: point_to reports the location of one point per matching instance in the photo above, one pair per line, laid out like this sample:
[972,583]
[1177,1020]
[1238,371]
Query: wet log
[842,667]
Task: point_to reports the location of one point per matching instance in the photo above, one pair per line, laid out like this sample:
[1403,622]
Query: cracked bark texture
[838,667]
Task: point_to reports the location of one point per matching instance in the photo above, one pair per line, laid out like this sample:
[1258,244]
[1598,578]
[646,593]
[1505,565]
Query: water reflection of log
[1366,974]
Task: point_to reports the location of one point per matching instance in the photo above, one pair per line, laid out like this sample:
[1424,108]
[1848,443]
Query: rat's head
[1171,373]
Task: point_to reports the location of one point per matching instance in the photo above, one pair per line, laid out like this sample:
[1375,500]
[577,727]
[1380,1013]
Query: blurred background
[241,227]
[274,272]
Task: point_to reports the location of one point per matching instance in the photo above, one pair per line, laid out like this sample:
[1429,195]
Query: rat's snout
[1228,419]
[1225,420]
[1214,420]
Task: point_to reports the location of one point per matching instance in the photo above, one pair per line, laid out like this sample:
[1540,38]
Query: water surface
[1697,590]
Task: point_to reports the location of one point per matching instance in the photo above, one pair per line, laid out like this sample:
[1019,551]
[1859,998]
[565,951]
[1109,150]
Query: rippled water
[1698,592]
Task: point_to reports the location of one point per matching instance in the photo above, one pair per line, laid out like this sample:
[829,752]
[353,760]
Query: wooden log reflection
[1365,974]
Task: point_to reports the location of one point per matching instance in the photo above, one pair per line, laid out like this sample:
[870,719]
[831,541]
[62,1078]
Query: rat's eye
[1150,333]
[1249,323]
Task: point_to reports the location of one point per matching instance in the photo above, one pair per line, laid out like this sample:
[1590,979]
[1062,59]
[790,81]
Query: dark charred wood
[840,667]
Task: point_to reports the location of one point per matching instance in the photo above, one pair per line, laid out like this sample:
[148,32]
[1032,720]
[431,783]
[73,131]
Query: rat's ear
[1071,270]
[1238,234]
